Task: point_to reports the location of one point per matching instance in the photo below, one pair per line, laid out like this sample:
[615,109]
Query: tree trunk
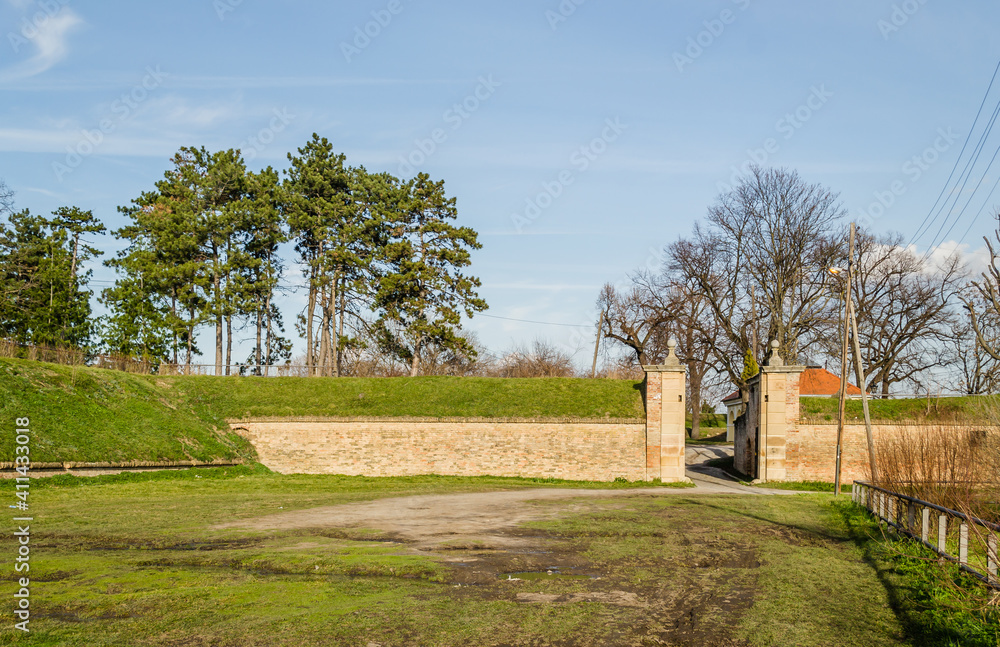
[340,331]
[190,340]
[695,379]
[335,338]
[229,342]
[260,323]
[216,284]
[173,312]
[267,338]
[310,310]
[324,333]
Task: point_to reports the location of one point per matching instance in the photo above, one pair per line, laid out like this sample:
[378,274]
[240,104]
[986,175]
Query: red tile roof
[814,382]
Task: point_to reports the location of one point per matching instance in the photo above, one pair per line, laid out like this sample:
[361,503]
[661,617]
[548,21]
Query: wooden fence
[958,537]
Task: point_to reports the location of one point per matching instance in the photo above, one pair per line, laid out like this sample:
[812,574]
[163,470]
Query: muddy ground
[703,583]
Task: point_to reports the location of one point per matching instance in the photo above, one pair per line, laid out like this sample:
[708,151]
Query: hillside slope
[83,414]
[88,415]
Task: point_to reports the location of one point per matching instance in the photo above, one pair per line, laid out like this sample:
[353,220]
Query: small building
[816,382]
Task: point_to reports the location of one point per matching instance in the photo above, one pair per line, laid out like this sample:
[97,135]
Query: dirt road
[488,518]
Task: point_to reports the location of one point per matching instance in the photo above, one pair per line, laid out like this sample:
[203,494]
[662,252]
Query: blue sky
[579,137]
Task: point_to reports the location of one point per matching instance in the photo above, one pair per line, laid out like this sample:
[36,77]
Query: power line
[921,230]
[981,209]
[542,323]
[970,167]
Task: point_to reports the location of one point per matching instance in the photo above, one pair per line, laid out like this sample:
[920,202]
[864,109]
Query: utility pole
[843,360]
[860,370]
[597,346]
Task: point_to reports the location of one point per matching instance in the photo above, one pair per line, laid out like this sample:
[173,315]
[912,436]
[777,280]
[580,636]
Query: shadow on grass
[924,594]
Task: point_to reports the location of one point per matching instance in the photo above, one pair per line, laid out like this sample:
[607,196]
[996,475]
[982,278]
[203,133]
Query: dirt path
[488,518]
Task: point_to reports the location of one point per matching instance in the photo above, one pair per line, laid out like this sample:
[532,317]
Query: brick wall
[811,452]
[592,451]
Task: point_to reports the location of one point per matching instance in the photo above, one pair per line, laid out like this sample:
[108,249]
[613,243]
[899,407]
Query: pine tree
[424,293]
[45,296]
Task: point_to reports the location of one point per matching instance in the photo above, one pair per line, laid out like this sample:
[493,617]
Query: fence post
[963,544]
[942,542]
[911,514]
[925,524]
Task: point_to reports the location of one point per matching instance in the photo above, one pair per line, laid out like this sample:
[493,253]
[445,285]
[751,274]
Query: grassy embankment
[973,409]
[89,415]
[135,561]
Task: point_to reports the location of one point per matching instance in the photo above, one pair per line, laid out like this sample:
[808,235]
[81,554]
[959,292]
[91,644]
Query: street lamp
[841,273]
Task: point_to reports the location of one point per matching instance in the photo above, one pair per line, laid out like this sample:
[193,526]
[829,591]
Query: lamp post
[839,273]
[851,325]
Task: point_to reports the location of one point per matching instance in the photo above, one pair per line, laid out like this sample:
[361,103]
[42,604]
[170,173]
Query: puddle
[552,574]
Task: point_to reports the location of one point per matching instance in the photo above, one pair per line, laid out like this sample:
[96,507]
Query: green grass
[805,486]
[938,605]
[432,397]
[136,562]
[938,410]
[708,421]
[90,415]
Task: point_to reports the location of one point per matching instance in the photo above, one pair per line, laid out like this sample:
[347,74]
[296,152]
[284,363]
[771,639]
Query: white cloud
[975,260]
[51,43]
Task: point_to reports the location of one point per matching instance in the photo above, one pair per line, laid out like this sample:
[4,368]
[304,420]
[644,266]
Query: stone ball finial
[775,359]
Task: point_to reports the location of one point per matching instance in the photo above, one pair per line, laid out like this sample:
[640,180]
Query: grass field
[433,397]
[134,560]
[90,415]
[920,410]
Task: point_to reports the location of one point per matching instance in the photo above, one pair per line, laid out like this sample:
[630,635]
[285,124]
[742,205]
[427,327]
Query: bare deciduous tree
[978,373]
[6,198]
[652,311]
[638,318]
[983,302]
[903,312]
[760,264]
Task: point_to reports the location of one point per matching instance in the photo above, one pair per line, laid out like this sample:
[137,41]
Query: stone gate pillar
[665,429]
[779,415]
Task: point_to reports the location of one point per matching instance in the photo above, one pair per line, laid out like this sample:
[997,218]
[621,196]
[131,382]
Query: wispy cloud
[52,44]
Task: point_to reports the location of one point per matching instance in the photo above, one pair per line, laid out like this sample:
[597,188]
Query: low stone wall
[812,449]
[572,450]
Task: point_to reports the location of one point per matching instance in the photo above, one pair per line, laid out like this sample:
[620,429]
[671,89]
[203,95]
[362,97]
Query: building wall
[746,430]
[592,451]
